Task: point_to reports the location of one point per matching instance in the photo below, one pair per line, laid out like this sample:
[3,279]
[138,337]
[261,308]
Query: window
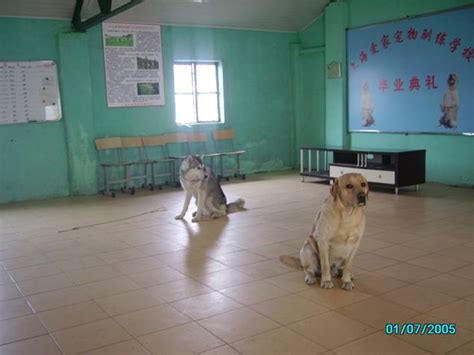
[197,92]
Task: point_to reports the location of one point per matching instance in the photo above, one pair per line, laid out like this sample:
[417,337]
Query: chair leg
[106,180]
[145,179]
[126,177]
[152,175]
[222,166]
[238,164]
[173,171]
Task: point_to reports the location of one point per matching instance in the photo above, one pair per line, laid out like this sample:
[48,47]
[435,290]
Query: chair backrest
[108,149]
[223,139]
[154,141]
[197,137]
[108,143]
[131,142]
[224,134]
[133,148]
[155,146]
[197,143]
[177,143]
[176,137]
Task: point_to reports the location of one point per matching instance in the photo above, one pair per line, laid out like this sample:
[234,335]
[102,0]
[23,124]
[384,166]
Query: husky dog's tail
[235,206]
[291,261]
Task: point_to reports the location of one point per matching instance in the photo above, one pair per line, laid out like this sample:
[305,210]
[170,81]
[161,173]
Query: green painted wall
[33,156]
[257,91]
[450,159]
[309,86]
[59,159]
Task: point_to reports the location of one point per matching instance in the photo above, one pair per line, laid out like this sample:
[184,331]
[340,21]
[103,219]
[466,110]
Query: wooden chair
[224,146]
[197,144]
[156,150]
[110,157]
[133,154]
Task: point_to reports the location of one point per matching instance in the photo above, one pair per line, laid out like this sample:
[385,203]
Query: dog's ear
[334,189]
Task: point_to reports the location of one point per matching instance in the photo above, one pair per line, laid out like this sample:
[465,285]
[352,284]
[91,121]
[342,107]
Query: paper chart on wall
[133,65]
[29,92]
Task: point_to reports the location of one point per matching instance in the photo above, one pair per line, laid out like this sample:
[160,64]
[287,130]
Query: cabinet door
[372,175]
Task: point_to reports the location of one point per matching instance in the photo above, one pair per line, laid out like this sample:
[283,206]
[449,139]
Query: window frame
[195,93]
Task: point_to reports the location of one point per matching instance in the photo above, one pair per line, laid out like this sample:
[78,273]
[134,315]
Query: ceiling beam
[105,13]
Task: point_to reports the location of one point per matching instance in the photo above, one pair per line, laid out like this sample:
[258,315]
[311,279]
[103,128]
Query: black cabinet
[395,168]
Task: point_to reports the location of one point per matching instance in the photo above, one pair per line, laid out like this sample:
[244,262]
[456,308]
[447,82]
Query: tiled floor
[132,280]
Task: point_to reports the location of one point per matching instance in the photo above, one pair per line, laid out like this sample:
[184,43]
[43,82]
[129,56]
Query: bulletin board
[414,75]
[29,92]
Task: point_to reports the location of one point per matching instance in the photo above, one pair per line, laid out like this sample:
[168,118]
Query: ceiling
[269,15]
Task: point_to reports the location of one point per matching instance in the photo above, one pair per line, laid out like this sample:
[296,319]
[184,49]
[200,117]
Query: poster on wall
[29,92]
[133,65]
[413,76]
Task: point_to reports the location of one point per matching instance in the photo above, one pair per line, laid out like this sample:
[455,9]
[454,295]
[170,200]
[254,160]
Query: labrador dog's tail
[237,205]
[291,261]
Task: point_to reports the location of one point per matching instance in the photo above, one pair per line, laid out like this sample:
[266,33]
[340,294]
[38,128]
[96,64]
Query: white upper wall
[268,15]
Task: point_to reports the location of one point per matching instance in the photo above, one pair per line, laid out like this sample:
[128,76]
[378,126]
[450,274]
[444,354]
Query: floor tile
[288,309]
[378,344]
[292,281]
[437,343]
[207,305]
[420,299]
[253,292]
[130,347]
[128,301]
[439,262]
[459,312]
[221,350]
[407,272]
[331,329]
[42,345]
[400,253]
[239,324]
[14,308]
[182,340]
[374,284]
[150,320]
[71,316]
[44,284]
[33,272]
[225,278]
[449,284]
[16,329]
[93,274]
[156,276]
[59,298]
[281,341]
[377,312]
[9,291]
[333,298]
[90,336]
[109,287]
[178,290]
[265,269]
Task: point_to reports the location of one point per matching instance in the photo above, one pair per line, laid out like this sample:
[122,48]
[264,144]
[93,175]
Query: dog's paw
[347,285]
[195,220]
[180,216]
[309,279]
[327,284]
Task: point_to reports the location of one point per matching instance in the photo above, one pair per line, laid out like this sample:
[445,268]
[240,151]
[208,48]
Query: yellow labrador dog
[337,230]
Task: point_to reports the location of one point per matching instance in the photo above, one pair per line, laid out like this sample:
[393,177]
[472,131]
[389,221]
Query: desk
[389,167]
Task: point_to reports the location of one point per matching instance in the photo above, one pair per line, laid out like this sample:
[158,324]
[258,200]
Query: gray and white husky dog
[200,182]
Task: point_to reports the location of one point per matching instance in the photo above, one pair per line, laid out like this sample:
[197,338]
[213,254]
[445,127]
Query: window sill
[199,124]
